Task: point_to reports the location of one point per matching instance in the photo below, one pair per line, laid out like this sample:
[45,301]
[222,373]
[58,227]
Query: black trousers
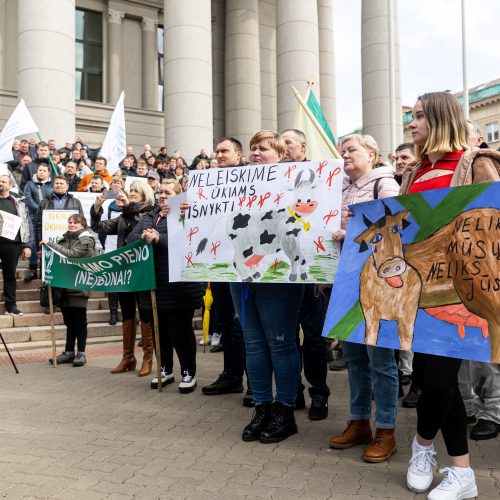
[75,319]
[440,406]
[176,331]
[228,324]
[314,350]
[9,253]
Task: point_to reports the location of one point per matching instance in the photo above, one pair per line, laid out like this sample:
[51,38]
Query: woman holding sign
[439,132]
[135,205]
[76,243]
[269,314]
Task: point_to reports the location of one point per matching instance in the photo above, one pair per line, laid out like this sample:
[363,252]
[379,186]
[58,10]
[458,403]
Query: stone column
[114,54]
[242,70]
[218,41]
[3,34]
[327,63]
[297,47]
[46,65]
[188,76]
[375,74]
[149,64]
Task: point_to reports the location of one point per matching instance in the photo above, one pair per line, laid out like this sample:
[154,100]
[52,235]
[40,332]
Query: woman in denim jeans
[269,314]
[371,370]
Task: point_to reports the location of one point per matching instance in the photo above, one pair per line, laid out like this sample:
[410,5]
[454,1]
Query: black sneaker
[65,357]
[338,363]
[319,408]
[30,276]
[411,399]
[223,385]
[80,359]
[188,383]
[13,311]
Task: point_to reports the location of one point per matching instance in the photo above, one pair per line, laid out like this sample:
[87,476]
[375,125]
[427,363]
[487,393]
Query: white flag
[114,147]
[20,122]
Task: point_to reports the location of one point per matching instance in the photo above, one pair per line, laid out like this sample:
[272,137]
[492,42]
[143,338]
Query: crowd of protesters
[443,144]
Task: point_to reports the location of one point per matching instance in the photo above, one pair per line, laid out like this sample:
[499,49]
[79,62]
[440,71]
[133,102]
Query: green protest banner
[127,269]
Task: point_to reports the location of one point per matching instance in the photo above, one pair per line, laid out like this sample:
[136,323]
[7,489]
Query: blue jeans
[372,370]
[269,322]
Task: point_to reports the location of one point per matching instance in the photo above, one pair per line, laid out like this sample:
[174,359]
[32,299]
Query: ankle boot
[382,447]
[147,347]
[260,419]
[113,308]
[281,426]
[356,432]
[128,361]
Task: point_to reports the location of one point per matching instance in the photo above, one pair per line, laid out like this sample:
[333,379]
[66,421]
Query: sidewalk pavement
[82,433]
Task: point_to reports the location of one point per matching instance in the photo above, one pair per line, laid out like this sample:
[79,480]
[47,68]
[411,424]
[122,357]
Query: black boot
[261,417]
[281,426]
[30,275]
[113,308]
[411,399]
[401,392]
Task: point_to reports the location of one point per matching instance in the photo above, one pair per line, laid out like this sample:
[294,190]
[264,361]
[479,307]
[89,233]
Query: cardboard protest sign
[421,272]
[266,223]
[87,200]
[127,269]
[55,223]
[9,225]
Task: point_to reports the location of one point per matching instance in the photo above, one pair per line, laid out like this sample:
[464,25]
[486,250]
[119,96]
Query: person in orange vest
[100,169]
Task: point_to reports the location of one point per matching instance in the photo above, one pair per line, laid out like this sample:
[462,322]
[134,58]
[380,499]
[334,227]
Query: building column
[218,37]
[149,64]
[3,34]
[375,74]
[46,65]
[242,70]
[188,76]
[327,63]
[297,47]
[114,54]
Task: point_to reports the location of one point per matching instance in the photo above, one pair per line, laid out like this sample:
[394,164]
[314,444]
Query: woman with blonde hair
[439,132]
[135,205]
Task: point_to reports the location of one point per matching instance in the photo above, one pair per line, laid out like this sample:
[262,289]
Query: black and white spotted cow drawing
[255,235]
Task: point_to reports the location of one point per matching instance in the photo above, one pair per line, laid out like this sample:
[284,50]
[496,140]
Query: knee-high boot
[128,361]
[147,347]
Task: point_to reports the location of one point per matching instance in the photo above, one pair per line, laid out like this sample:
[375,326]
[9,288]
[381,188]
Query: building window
[88,55]
[492,132]
[159,40]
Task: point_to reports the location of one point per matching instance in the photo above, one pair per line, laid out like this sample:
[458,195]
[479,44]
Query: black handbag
[57,295]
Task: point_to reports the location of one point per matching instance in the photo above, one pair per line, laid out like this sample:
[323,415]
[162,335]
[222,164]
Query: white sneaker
[458,484]
[419,476]
[209,339]
[215,339]
[166,378]
[187,384]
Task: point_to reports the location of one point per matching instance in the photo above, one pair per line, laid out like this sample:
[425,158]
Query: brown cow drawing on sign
[459,263]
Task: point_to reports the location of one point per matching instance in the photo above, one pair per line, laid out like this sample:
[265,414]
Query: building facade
[192,70]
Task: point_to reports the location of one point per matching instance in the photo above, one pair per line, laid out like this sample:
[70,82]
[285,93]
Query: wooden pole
[52,328]
[157,340]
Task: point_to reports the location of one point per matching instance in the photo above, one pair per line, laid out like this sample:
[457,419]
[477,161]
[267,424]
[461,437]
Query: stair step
[33,306]
[33,294]
[42,319]
[47,344]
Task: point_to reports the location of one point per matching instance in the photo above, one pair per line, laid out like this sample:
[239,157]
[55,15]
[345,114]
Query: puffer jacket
[168,295]
[363,189]
[35,191]
[75,245]
[121,226]
[474,167]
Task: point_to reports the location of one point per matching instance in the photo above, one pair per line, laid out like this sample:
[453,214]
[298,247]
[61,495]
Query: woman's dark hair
[78,218]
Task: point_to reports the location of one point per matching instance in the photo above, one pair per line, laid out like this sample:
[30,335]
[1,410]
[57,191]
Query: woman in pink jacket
[371,370]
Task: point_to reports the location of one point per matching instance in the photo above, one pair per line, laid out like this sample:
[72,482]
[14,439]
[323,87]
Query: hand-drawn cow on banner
[257,234]
[459,263]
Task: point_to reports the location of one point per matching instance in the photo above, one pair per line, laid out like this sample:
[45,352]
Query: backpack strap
[375,189]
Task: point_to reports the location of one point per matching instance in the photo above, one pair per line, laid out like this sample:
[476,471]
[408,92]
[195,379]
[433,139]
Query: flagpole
[392,76]
[52,328]
[157,340]
[316,124]
[464,61]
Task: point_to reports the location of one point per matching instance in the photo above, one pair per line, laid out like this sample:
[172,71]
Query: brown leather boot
[382,447]
[128,361]
[147,347]
[356,432]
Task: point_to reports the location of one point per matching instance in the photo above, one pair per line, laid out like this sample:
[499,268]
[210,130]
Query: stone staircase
[32,330]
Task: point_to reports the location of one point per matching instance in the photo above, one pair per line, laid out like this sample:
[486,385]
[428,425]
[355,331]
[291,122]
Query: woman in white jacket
[371,370]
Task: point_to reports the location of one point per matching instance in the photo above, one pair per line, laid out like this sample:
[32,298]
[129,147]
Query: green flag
[127,269]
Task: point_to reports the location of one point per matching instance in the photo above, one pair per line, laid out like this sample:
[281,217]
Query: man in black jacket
[71,176]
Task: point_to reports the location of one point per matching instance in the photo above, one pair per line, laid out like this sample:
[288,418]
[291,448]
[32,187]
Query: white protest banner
[129,179]
[267,223]
[9,225]
[87,200]
[20,122]
[114,147]
[55,224]
[175,234]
